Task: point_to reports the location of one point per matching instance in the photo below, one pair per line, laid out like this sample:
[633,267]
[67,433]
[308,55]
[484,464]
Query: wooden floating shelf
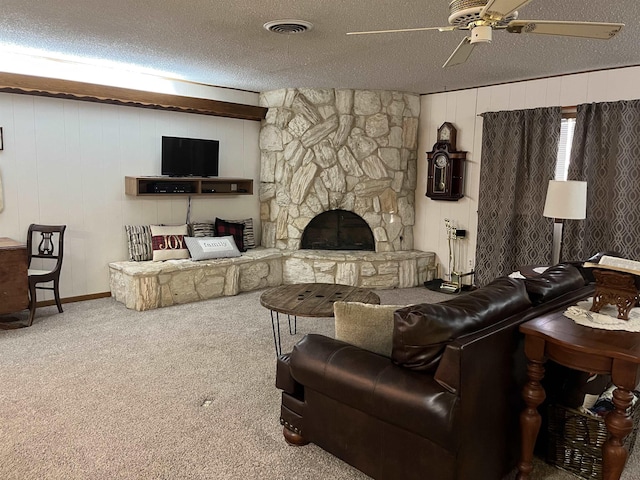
[187,186]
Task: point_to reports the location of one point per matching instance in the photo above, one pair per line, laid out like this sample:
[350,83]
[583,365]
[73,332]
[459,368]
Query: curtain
[606,153]
[519,150]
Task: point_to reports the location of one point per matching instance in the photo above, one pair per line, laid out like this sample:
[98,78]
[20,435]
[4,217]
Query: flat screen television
[190,157]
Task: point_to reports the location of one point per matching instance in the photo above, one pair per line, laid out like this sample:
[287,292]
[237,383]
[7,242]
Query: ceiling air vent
[288,26]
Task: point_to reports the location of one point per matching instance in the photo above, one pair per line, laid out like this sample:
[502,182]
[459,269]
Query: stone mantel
[327,149]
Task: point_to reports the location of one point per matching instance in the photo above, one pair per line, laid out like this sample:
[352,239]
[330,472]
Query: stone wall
[324,149]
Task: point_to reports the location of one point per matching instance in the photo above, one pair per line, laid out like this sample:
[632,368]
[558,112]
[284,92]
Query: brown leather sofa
[446,404]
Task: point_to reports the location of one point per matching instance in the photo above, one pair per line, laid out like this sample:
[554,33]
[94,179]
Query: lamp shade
[566,200]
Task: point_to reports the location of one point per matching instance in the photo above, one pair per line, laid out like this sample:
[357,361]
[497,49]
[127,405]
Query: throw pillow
[202,229]
[365,325]
[205,248]
[247,235]
[168,242]
[139,242]
[229,228]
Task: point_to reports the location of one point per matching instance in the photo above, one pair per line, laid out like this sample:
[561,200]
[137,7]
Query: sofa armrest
[374,385]
[448,373]
[284,380]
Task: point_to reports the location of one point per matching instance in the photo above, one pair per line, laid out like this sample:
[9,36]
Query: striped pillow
[202,229]
[248,239]
[139,242]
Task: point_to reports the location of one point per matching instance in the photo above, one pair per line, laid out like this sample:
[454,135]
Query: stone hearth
[149,285]
[328,149]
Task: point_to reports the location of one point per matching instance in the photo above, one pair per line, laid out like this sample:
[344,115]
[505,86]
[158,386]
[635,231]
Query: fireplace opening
[337,230]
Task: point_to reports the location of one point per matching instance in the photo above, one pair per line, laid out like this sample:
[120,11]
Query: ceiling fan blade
[568,29]
[461,53]
[419,29]
[496,10]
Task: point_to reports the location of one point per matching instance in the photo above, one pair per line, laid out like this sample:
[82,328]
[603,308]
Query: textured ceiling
[222,42]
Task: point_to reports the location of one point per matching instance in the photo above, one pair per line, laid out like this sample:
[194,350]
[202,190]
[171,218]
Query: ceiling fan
[481,17]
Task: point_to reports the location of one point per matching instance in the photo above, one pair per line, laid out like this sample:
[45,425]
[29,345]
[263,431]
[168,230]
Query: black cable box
[172,187]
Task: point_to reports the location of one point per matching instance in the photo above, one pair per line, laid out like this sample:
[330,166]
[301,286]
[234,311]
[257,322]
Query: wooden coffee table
[309,300]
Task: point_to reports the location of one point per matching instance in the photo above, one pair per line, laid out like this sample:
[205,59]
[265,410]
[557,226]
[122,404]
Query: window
[564,148]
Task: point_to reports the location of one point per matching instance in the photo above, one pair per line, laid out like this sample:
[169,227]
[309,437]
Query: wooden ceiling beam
[88,92]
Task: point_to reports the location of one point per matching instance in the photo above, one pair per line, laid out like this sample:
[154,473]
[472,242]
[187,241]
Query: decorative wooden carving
[615,288]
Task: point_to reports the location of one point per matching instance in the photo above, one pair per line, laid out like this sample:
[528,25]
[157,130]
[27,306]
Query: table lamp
[566,200]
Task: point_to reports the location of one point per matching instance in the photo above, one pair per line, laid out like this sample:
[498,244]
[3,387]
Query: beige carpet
[102,392]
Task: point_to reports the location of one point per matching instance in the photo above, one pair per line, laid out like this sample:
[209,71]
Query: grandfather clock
[445,177]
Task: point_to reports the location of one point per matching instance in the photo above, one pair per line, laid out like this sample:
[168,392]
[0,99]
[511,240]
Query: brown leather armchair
[445,405]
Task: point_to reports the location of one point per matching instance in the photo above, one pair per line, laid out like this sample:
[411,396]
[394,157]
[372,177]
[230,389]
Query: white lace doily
[606,319]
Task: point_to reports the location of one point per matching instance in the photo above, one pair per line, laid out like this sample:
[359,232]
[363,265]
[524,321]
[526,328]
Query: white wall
[462,109]
[64,162]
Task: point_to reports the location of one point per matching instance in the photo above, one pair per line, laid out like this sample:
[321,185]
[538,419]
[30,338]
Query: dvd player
[173,187]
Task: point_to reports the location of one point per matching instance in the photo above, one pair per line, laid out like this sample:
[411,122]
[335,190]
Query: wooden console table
[14,283]
[560,339]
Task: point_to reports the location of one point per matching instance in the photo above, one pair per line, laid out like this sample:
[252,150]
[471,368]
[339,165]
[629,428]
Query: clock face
[441,161]
[445,134]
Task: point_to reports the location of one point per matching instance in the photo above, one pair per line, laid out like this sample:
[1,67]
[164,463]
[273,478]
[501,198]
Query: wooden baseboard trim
[80,298]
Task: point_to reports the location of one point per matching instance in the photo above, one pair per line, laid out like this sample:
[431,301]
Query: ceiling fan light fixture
[288,27]
[481,34]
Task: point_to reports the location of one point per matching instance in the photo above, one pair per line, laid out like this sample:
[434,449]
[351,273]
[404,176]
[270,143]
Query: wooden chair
[49,236]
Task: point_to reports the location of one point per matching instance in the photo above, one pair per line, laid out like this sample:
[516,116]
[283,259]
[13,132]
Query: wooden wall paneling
[536,93]
[9,217]
[466,207]
[517,95]
[51,161]
[573,89]
[624,82]
[554,88]
[77,245]
[25,165]
[96,167]
[598,87]
[499,98]
[428,212]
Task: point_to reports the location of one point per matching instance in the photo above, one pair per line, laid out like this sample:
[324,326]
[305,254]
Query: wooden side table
[560,339]
[14,283]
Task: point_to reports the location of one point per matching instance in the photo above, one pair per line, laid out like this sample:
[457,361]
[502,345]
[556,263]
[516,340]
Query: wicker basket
[576,439]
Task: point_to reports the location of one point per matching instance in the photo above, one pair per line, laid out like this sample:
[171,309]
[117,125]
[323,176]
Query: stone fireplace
[330,149]
[337,186]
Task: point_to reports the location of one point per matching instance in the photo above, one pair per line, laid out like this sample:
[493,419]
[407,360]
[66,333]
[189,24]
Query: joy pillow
[168,242]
